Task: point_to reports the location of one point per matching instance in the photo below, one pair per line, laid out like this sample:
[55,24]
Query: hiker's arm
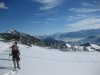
[11,47]
[18,51]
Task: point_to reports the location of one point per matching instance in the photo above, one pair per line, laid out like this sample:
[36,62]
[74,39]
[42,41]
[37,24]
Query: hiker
[85,48]
[15,55]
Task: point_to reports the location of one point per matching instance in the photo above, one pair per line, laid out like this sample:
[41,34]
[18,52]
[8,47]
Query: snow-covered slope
[4,46]
[43,61]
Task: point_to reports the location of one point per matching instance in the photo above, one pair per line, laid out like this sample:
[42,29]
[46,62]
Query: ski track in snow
[42,61]
[10,73]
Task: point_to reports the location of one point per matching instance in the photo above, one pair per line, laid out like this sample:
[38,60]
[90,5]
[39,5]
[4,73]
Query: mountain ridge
[76,34]
[29,40]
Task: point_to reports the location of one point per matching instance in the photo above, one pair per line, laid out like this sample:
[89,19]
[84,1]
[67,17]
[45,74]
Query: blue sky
[40,17]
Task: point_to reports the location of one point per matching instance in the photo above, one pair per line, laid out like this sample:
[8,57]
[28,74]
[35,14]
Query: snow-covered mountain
[51,40]
[47,61]
[89,39]
[77,34]
[79,37]
[21,37]
[54,43]
[13,32]
[37,60]
[29,40]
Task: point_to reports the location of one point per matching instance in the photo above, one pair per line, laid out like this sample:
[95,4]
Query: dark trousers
[16,62]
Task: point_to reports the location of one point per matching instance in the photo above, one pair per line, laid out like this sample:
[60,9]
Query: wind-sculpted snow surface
[43,61]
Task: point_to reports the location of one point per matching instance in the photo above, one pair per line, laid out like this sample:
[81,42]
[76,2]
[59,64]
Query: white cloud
[46,13]
[52,12]
[84,10]
[82,17]
[88,23]
[46,22]
[3,6]
[87,7]
[92,4]
[39,22]
[40,14]
[49,4]
[87,4]
[35,22]
[76,17]
[51,19]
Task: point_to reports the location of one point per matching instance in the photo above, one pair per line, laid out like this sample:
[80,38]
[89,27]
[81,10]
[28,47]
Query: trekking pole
[9,51]
[9,56]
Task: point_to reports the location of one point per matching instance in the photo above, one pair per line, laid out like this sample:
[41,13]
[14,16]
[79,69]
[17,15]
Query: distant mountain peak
[13,32]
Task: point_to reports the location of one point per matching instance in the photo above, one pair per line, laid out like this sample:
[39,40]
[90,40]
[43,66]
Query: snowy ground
[42,61]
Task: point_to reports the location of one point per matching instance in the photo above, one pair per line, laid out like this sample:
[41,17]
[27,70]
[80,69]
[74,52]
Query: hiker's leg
[18,65]
[14,62]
